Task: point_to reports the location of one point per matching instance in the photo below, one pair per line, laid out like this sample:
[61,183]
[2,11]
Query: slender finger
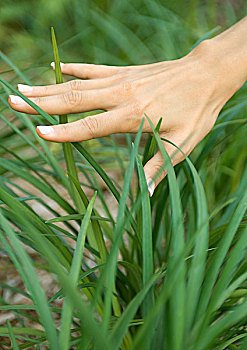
[70,102]
[99,125]
[153,167]
[57,89]
[88,71]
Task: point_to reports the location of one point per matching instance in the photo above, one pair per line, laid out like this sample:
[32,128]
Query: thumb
[152,168]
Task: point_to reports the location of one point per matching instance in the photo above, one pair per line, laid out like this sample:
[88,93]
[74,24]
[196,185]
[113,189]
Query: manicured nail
[24,88]
[53,64]
[45,130]
[151,187]
[15,99]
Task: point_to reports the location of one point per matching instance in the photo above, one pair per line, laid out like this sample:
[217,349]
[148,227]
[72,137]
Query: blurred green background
[97,31]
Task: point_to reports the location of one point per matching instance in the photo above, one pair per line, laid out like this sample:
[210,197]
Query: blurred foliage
[95,31]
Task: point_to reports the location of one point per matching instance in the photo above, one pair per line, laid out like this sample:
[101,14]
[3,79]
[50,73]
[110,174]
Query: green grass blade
[67,147]
[33,285]
[21,330]
[25,138]
[21,211]
[11,166]
[12,336]
[95,235]
[69,217]
[50,119]
[64,337]
[244,344]
[226,344]
[177,312]
[108,275]
[121,326]
[232,318]
[234,259]
[150,145]
[147,241]
[14,67]
[104,177]
[220,254]
[200,249]
[51,159]
[88,323]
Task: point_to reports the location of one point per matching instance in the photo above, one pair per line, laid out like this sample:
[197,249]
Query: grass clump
[167,272]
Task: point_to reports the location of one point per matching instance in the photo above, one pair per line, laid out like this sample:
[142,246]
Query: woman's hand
[187,94]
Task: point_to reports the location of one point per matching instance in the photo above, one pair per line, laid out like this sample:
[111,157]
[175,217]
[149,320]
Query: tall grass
[167,272]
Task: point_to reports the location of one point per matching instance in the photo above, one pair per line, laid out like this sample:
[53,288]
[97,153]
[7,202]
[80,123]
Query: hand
[187,93]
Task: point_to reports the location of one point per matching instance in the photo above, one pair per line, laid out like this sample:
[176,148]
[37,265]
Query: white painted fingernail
[53,64]
[45,130]
[15,99]
[151,187]
[24,88]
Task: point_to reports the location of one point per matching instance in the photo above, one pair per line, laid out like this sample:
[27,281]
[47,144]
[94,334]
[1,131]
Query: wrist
[231,57]
[225,64]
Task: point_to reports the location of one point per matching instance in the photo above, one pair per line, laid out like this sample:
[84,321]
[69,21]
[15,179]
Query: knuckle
[128,87]
[72,98]
[75,84]
[92,125]
[37,100]
[45,90]
[158,164]
[137,108]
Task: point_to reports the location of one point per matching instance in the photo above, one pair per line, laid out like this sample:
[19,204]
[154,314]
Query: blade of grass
[150,145]
[50,119]
[66,318]
[104,177]
[51,159]
[21,330]
[33,285]
[108,275]
[20,211]
[12,336]
[220,254]
[147,247]
[124,321]
[88,322]
[95,235]
[177,312]
[50,192]
[232,318]
[71,217]
[67,147]
[14,67]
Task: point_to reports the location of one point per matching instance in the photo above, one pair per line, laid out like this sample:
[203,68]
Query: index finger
[89,71]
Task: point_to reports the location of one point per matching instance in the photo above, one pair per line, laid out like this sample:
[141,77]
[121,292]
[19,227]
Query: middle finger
[70,102]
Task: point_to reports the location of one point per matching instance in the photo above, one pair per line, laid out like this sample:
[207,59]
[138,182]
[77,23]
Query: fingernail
[53,64]
[15,99]
[24,88]
[45,130]
[151,187]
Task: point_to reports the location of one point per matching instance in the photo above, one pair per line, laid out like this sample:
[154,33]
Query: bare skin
[187,93]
